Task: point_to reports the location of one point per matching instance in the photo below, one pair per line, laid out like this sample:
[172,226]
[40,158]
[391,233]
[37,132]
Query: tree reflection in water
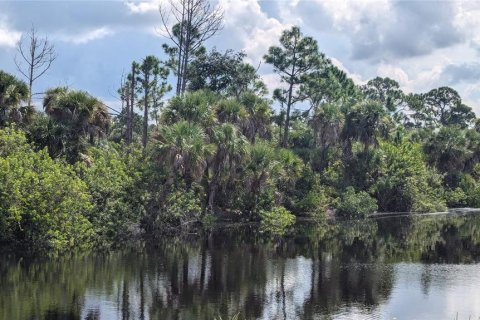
[320,270]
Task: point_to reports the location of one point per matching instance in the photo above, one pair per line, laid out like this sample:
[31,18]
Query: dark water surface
[388,268]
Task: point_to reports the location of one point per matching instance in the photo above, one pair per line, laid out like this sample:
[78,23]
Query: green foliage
[12,93]
[404,182]
[75,119]
[355,205]
[194,107]
[294,61]
[276,221]
[43,204]
[224,73]
[220,151]
[181,209]
[316,202]
[456,198]
[471,187]
[113,179]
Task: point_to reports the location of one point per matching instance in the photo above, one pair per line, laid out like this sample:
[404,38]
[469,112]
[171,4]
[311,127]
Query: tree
[297,57]
[196,21]
[75,116]
[128,94]
[34,57]
[224,73]
[404,181]
[183,148]
[231,149]
[152,79]
[256,124]
[327,124]
[361,123]
[194,107]
[12,93]
[260,170]
[447,149]
[388,92]
[43,204]
[327,85]
[445,106]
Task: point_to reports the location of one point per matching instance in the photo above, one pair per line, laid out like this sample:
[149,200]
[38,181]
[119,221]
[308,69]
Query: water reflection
[404,267]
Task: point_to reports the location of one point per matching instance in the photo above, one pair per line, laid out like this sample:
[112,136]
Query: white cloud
[251,29]
[352,15]
[8,37]
[467,20]
[143,6]
[393,72]
[87,36]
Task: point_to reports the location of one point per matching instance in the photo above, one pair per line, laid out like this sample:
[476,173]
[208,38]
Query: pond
[410,267]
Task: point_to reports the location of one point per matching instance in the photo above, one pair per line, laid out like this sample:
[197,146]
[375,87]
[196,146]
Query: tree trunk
[145,112]
[180,54]
[287,116]
[186,51]
[132,103]
[126,98]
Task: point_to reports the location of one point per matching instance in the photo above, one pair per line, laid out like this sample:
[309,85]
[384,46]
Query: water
[389,268]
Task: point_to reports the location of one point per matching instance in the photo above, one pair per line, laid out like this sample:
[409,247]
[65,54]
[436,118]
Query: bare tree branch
[194,22]
[34,57]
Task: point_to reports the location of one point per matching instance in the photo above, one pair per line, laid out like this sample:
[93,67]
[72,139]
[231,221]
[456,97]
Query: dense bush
[182,207]
[404,182]
[356,205]
[114,180]
[276,221]
[43,204]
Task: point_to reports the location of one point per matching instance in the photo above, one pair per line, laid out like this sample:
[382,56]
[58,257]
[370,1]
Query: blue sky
[422,44]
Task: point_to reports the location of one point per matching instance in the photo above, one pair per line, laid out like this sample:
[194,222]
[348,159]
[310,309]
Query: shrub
[317,201]
[43,204]
[276,221]
[404,182]
[471,188]
[354,205]
[456,198]
[113,179]
[181,208]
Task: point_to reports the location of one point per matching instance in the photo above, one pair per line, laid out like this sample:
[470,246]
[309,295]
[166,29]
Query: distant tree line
[76,175]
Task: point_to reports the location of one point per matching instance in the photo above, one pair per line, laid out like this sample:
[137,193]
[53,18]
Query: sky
[421,44]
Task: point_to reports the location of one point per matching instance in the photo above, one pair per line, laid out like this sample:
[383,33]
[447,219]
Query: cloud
[385,30]
[458,73]
[421,44]
[77,21]
[249,28]
[143,6]
[393,72]
[86,36]
[8,37]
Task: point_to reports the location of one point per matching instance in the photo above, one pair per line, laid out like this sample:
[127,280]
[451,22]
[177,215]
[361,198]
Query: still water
[386,268]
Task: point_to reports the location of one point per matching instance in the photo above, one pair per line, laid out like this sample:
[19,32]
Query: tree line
[76,175]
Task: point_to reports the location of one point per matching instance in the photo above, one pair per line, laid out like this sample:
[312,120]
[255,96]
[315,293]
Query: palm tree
[12,93]
[261,167]
[183,147]
[76,116]
[362,123]
[230,110]
[79,110]
[448,149]
[195,107]
[230,151]
[327,123]
[259,114]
